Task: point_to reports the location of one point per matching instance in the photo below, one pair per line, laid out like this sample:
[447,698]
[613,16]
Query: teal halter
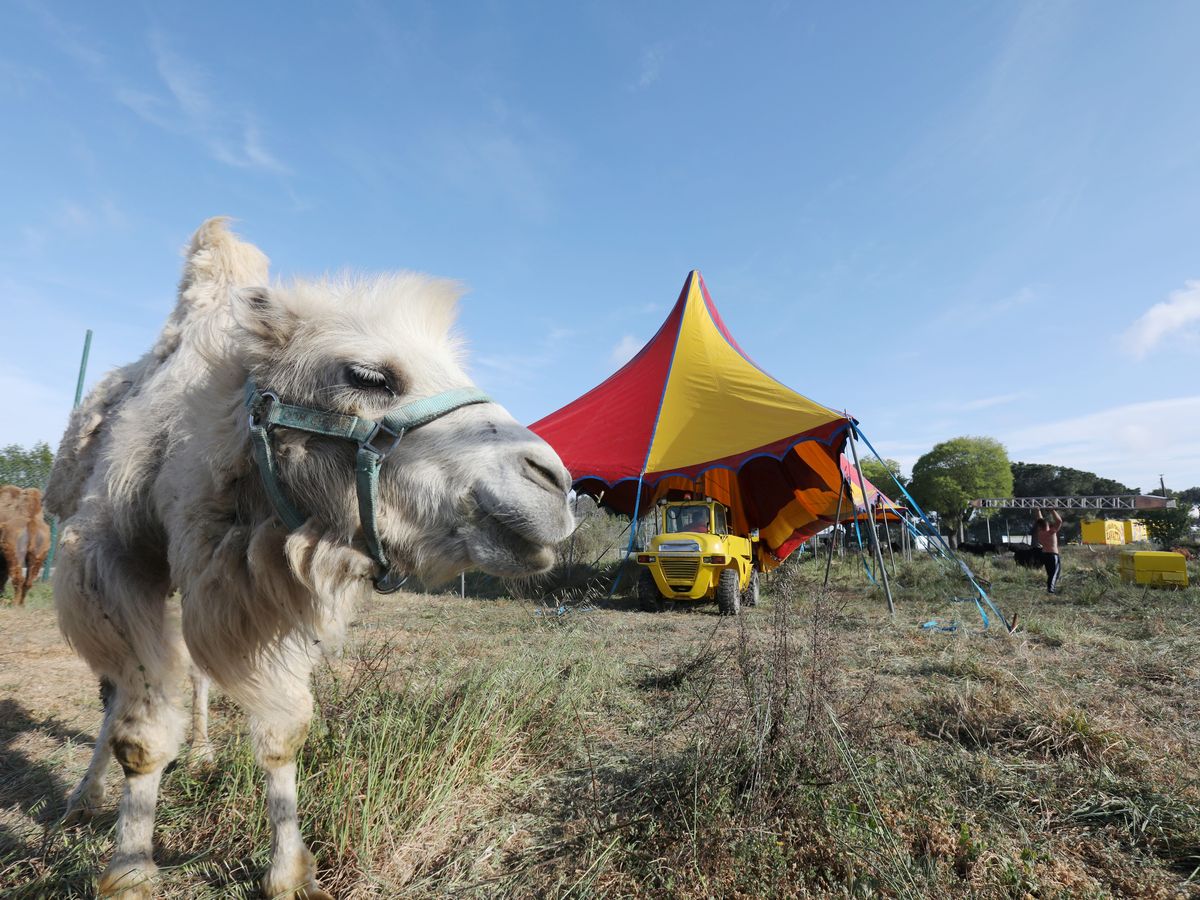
[375,439]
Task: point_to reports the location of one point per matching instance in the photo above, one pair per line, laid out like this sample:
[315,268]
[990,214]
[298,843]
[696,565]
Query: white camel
[279,454]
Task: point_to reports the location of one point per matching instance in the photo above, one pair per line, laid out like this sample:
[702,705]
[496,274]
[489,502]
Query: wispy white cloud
[70,39]
[1016,76]
[183,104]
[1132,443]
[1178,315]
[989,402]
[20,81]
[970,314]
[504,154]
[71,218]
[511,370]
[494,159]
[625,349]
[650,65]
[230,132]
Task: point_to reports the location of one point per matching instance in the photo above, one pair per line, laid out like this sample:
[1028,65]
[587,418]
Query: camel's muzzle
[375,439]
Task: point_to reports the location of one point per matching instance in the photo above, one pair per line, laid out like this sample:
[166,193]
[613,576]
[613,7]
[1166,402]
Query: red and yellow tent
[691,412]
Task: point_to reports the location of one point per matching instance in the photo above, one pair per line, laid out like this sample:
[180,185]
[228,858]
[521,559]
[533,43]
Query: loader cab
[695,518]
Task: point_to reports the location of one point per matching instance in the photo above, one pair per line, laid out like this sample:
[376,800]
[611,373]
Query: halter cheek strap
[375,439]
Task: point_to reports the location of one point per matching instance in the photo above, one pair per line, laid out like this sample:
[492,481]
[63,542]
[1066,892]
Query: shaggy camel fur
[171,499]
[24,539]
[213,268]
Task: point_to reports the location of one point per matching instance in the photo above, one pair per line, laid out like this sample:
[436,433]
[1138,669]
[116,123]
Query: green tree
[26,468]
[957,471]
[1168,527]
[884,476]
[1190,496]
[1047,480]
[1044,480]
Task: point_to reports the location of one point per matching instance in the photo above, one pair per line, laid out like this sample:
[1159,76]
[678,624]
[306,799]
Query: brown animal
[24,539]
[39,540]
[14,536]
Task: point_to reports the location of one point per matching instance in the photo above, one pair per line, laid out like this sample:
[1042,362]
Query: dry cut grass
[812,748]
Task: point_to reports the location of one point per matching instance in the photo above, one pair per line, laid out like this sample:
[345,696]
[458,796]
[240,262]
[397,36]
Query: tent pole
[887,534]
[862,554]
[887,588]
[833,531]
[637,505]
[575,531]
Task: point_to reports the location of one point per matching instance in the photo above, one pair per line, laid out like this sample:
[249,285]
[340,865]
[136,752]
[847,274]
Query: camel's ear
[261,314]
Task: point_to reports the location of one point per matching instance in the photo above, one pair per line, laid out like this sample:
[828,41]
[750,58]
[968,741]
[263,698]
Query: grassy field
[487,748]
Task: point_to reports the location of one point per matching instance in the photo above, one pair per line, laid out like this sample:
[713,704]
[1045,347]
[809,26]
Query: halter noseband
[376,438]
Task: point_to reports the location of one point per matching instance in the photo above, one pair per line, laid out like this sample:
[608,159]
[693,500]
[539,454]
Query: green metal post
[87,346]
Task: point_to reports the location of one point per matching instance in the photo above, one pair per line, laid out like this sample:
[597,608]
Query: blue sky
[949,218]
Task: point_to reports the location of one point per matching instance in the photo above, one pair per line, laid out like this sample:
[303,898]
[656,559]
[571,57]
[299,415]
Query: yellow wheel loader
[693,557]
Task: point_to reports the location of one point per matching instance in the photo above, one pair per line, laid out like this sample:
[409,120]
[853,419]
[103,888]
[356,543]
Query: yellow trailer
[1154,568]
[1135,531]
[1103,531]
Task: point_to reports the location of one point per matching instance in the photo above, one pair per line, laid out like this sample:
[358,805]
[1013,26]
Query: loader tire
[648,597]
[729,597]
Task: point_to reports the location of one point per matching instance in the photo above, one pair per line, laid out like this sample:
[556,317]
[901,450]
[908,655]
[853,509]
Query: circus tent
[691,413]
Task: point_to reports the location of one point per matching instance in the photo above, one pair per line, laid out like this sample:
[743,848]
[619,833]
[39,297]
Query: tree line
[959,470]
[944,481]
[26,468]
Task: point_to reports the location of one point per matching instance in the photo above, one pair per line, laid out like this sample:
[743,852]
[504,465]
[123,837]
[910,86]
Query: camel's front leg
[130,873]
[293,867]
[279,706]
[144,734]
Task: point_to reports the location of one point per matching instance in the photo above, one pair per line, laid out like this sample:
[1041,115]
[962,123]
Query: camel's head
[472,489]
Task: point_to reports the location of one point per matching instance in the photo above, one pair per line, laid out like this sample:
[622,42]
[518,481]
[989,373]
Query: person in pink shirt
[1045,534]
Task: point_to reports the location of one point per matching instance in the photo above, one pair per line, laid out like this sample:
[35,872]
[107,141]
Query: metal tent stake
[833,531]
[862,482]
[887,534]
[637,506]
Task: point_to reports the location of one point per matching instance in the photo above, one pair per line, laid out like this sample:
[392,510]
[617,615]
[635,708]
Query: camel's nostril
[555,480]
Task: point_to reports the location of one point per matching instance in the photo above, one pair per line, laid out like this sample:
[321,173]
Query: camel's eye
[366,378]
